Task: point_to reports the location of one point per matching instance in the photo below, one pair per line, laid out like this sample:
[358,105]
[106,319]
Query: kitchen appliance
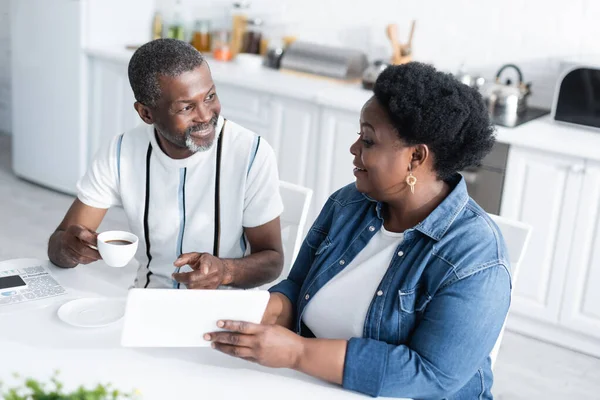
[507,103]
[334,62]
[275,50]
[372,73]
[577,97]
[49,64]
[485,183]
[506,98]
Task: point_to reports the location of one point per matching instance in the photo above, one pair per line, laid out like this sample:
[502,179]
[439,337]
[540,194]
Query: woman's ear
[144,112]
[420,155]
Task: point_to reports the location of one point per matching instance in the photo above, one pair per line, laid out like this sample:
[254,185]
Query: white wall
[5,124]
[483,34]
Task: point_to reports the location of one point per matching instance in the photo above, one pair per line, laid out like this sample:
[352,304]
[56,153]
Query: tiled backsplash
[482,34]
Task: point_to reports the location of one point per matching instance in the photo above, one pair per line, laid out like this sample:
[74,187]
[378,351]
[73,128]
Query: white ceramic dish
[92,312]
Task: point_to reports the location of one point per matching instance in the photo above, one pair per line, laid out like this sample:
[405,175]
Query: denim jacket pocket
[317,240]
[324,245]
[411,305]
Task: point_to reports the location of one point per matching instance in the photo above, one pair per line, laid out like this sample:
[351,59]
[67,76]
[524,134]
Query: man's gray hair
[168,57]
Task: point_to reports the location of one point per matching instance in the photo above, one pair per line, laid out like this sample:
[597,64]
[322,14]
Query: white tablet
[180,318]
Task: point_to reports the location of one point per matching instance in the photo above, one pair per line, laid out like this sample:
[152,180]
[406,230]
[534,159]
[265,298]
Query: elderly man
[197,189]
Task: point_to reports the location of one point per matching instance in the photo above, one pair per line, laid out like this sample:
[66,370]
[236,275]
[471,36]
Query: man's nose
[203,114]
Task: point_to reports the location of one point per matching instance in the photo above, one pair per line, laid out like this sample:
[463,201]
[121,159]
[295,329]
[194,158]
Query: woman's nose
[355,147]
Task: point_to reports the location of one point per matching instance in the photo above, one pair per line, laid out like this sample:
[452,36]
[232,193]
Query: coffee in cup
[117,248]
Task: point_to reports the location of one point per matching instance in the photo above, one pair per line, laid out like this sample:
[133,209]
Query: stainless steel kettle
[506,100]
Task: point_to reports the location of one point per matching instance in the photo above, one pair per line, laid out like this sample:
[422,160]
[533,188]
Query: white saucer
[92,312]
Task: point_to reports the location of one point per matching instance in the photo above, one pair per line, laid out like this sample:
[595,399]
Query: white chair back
[296,203]
[516,236]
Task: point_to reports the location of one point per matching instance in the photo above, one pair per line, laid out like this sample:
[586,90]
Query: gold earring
[411,180]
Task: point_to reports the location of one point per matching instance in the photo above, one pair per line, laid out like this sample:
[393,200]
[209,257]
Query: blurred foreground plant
[32,389]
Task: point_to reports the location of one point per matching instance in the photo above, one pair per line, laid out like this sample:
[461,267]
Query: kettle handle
[513,66]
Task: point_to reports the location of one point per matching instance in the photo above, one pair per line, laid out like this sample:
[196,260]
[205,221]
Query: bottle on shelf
[157,26]
[177,26]
[201,37]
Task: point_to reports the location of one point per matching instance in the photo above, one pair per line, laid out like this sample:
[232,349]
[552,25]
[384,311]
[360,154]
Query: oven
[485,183]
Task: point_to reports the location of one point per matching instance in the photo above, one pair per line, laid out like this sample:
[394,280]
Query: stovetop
[530,114]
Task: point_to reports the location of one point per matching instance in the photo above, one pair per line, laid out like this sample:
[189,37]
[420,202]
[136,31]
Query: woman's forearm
[323,359]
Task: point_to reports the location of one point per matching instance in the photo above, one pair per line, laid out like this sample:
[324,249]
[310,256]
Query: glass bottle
[238,25]
[220,45]
[252,37]
[176,27]
[201,39]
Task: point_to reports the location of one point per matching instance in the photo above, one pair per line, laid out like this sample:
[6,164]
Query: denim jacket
[439,308]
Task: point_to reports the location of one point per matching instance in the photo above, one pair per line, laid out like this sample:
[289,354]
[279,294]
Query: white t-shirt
[176,203]
[338,310]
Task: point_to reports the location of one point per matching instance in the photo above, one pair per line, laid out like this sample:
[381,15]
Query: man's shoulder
[137,134]
[237,132]
[243,140]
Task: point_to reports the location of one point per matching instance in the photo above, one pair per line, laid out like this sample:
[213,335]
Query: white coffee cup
[117,248]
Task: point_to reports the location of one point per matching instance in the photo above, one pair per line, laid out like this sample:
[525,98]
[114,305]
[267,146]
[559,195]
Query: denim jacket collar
[438,222]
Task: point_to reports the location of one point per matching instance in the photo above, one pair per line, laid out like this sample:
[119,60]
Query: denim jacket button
[371,228]
[307,297]
[400,253]
[380,293]
[342,262]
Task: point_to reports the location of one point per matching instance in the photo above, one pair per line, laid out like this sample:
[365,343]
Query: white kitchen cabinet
[293,135]
[556,297]
[542,190]
[581,308]
[337,133]
[289,125]
[248,108]
[111,102]
[50,76]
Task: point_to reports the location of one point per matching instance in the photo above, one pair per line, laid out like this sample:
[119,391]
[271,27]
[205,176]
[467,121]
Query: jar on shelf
[251,42]
[201,37]
[221,48]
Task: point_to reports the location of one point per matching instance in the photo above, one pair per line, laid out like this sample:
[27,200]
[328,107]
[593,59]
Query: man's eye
[210,96]
[187,108]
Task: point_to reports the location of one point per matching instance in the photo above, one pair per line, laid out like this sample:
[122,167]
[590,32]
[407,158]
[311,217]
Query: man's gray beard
[194,147]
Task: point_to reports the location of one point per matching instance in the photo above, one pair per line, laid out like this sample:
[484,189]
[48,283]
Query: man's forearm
[55,253]
[254,270]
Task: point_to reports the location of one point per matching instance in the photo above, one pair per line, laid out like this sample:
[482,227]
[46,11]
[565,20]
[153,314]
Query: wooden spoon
[392,33]
[406,49]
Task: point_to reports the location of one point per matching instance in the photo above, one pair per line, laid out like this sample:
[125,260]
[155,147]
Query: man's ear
[144,112]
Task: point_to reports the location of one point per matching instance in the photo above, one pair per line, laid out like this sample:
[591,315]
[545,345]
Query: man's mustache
[202,127]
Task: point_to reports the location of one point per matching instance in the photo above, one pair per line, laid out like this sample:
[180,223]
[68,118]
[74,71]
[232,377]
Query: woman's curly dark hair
[433,108]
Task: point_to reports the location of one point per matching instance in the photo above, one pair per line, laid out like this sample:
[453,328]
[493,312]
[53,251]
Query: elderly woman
[402,284]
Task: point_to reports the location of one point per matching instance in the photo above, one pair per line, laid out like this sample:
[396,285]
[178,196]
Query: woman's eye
[366,142]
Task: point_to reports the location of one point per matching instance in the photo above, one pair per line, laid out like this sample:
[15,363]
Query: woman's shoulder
[473,242]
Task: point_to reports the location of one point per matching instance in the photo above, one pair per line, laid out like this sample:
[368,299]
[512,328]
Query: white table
[35,343]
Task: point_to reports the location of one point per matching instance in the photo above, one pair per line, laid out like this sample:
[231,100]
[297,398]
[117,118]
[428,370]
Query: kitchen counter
[249,77]
[546,134]
[543,133]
